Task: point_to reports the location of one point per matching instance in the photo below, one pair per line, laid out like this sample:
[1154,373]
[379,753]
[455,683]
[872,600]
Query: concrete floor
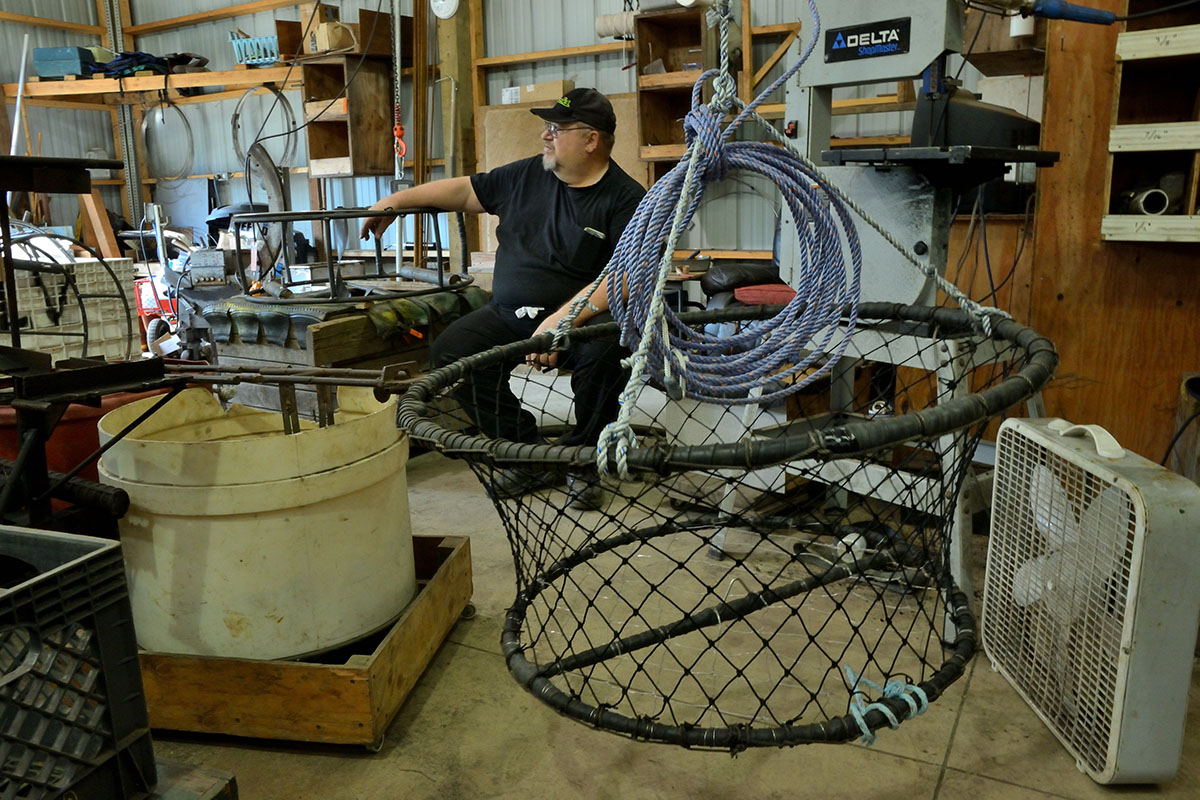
[468,730]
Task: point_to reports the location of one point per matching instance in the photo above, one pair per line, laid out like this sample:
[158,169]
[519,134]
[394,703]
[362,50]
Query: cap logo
[564,101]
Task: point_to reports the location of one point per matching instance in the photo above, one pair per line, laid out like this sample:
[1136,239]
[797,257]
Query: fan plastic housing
[1091,599]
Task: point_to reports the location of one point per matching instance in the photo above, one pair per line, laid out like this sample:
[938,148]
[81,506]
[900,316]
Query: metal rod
[10,283]
[28,443]
[105,447]
[81,491]
[318,372]
[288,408]
[16,128]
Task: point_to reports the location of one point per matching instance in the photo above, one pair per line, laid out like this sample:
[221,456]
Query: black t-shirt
[552,239]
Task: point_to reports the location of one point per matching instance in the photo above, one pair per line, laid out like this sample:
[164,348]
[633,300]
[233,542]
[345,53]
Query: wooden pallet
[347,703]
[180,781]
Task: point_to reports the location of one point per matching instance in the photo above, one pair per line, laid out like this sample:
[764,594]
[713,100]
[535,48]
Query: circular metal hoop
[852,437]
[736,585]
[289,150]
[186,168]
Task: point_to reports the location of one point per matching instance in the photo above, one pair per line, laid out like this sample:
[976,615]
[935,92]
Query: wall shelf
[1154,135]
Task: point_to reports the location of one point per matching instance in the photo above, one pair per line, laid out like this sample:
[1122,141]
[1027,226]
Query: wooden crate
[347,703]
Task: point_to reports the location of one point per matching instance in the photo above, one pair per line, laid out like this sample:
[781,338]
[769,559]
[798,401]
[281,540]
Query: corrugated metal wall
[740,213]
[64,133]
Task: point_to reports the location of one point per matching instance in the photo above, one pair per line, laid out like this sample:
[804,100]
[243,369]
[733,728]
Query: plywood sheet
[510,132]
[1122,315]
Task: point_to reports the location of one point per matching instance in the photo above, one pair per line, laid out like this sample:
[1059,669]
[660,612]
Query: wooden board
[348,703]
[1122,314]
[996,52]
[510,132]
[180,781]
[97,217]
[1159,43]
[344,340]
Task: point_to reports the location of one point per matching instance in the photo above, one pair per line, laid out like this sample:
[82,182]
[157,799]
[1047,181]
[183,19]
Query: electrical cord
[1178,434]
[970,49]
[271,109]
[1020,250]
[354,74]
[289,149]
[179,282]
[160,107]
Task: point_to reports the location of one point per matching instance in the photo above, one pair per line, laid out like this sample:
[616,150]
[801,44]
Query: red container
[74,439]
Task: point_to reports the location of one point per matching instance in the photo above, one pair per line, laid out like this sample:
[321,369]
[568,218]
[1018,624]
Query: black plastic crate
[72,709]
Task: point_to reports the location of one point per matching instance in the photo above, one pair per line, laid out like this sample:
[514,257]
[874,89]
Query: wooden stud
[779,53]
[421,113]
[744,85]
[229,12]
[550,55]
[97,216]
[454,47]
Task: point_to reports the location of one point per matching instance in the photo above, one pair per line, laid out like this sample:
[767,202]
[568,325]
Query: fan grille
[1057,592]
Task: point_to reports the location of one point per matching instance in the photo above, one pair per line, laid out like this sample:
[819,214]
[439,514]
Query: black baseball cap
[581,105]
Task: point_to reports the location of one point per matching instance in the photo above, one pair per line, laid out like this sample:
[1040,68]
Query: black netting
[762,570]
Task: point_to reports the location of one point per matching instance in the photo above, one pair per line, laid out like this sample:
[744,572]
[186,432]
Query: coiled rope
[797,341]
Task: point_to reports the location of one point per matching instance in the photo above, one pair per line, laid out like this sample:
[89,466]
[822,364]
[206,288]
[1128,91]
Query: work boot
[507,484]
[583,495]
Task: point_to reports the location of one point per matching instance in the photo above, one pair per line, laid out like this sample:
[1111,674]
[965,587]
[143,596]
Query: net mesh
[764,574]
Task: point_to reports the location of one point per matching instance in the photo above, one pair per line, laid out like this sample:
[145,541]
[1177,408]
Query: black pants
[597,377]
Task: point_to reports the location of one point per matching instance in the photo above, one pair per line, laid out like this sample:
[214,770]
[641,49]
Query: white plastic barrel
[243,542]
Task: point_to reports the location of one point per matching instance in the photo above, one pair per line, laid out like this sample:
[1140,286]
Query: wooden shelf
[669,80]
[154,83]
[1161,136]
[1158,43]
[518,59]
[1154,138]
[1141,228]
[872,105]
[662,152]
[870,141]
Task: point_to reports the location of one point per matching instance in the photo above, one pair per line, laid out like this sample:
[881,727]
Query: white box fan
[1092,594]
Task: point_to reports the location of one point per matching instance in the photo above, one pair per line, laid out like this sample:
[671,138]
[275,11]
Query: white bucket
[241,541]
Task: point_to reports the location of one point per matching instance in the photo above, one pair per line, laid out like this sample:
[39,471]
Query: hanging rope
[798,346]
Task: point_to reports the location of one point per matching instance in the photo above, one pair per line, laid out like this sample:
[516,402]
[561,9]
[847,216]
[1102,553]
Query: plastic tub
[244,542]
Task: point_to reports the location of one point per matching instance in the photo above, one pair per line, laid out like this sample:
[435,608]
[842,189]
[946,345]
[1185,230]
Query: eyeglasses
[554,130]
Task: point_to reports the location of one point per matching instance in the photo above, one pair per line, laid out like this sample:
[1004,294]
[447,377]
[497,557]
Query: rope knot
[702,130]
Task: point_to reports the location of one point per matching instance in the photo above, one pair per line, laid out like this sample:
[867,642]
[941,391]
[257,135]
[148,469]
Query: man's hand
[545,361]
[377,225]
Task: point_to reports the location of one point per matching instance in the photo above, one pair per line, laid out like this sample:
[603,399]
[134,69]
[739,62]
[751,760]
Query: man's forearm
[452,194]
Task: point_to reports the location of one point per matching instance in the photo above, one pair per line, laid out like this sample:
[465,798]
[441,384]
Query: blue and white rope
[914,696]
[791,350]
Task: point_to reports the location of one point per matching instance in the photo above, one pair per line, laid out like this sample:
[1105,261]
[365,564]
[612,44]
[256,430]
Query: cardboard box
[547,92]
[317,13]
[331,36]
[372,35]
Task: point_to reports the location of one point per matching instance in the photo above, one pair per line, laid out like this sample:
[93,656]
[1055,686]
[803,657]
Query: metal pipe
[79,491]
[433,276]
[1151,202]
[104,448]
[30,440]
[16,128]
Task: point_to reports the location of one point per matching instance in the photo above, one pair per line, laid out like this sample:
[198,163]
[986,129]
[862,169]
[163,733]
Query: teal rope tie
[893,689]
